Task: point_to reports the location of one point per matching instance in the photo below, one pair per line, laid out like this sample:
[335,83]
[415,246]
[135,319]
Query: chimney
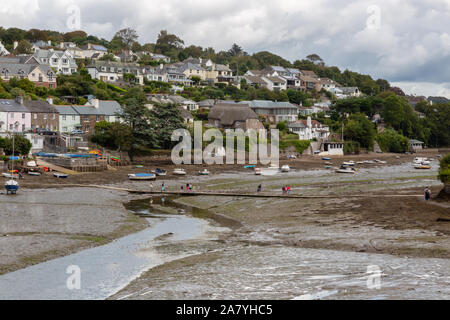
[161,66]
[15,45]
[95,103]
[19,99]
[50,100]
[61,45]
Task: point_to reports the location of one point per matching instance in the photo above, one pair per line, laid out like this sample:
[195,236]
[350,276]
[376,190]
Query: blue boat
[11,186]
[249,167]
[142,176]
[326,159]
[60,175]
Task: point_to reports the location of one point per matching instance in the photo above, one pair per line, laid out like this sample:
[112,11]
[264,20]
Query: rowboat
[34,173]
[326,159]
[142,176]
[11,186]
[204,172]
[285,168]
[422,167]
[60,175]
[179,172]
[160,172]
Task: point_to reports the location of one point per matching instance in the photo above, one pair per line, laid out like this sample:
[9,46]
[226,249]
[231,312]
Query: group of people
[188,187]
[286,190]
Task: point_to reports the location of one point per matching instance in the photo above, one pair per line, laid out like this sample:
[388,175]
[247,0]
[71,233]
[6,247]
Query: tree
[70,36]
[235,50]
[315,58]
[126,37]
[22,145]
[24,47]
[113,135]
[444,170]
[360,129]
[167,119]
[168,44]
[391,141]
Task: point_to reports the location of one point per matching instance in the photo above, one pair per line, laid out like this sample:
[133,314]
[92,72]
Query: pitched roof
[39,106]
[229,113]
[255,79]
[267,104]
[66,110]
[10,105]
[276,79]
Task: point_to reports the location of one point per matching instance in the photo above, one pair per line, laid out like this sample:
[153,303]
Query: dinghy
[326,159]
[160,172]
[142,176]
[34,173]
[60,175]
[285,168]
[204,172]
[258,171]
[179,172]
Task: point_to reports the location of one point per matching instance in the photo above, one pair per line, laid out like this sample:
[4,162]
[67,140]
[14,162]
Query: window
[64,118]
[23,127]
[12,115]
[45,116]
[55,60]
[50,85]
[73,118]
[107,118]
[54,116]
[65,61]
[11,127]
[35,116]
[64,129]
[41,78]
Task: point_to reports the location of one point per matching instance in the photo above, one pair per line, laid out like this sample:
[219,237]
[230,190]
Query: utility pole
[342,131]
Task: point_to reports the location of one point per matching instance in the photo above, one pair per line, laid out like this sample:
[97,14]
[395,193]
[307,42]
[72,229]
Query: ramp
[54,167]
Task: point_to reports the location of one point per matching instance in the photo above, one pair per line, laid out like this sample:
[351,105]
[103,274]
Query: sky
[406,42]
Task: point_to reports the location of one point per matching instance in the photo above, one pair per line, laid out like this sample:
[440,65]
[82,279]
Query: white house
[69,119]
[275,83]
[3,51]
[309,129]
[62,61]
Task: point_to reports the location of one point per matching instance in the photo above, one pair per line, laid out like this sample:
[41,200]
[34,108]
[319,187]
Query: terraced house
[14,116]
[26,67]
[43,115]
[110,71]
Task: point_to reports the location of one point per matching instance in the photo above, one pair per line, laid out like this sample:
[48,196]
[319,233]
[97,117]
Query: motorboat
[348,163]
[380,161]
[249,167]
[60,175]
[346,170]
[160,172]
[204,172]
[142,176]
[179,172]
[9,175]
[285,168]
[11,186]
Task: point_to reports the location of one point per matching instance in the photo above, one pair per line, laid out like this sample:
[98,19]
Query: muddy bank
[39,225]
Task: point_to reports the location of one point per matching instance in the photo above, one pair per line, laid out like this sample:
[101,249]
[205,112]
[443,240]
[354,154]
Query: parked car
[77,132]
[46,132]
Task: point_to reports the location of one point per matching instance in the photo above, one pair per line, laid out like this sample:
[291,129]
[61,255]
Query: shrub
[391,141]
[352,147]
[300,145]
[444,170]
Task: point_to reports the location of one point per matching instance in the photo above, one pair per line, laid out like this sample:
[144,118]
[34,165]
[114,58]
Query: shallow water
[107,269]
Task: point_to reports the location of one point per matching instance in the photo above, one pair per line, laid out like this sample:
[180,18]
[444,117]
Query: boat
[348,163]
[422,167]
[160,172]
[142,176]
[60,175]
[11,186]
[34,173]
[426,162]
[346,170]
[179,172]
[285,168]
[380,161]
[10,175]
[326,159]
[139,166]
[249,167]
[204,172]
[258,171]
[419,160]
[31,164]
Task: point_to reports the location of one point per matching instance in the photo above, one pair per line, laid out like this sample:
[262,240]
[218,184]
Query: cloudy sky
[404,41]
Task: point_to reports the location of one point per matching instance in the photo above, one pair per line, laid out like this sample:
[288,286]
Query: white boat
[422,167]
[348,163]
[60,175]
[11,186]
[33,173]
[142,176]
[380,161]
[426,162]
[419,160]
[179,172]
[160,172]
[31,164]
[204,172]
[285,168]
[258,171]
[346,170]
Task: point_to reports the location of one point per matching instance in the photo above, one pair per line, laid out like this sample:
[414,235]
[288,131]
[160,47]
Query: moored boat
[204,172]
[348,163]
[258,171]
[142,176]
[160,172]
[34,173]
[326,159]
[422,167]
[179,172]
[346,170]
[11,186]
[285,168]
[60,175]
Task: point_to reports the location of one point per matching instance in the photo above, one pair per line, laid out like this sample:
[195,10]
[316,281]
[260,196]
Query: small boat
[160,172]
[380,161]
[142,176]
[34,173]
[258,171]
[31,164]
[326,159]
[179,172]
[426,162]
[422,167]
[11,186]
[60,175]
[249,167]
[204,172]
[328,167]
[10,175]
[285,168]
[139,166]
[346,170]
[348,163]
[419,160]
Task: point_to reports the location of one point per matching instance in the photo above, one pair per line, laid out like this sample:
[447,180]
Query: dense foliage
[444,170]
[391,141]
[22,145]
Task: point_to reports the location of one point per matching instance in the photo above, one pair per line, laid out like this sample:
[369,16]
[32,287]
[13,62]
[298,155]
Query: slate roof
[267,104]
[39,106]
[10,105]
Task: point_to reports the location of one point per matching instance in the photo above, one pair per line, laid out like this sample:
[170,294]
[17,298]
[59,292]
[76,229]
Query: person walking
[163,187]
[289,190]
[427,194]
[259,188]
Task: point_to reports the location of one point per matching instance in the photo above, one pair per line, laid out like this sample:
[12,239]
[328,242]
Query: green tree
[22,145]
[24,47]
[444,169]
[360,129]
[167,119]
[126,37]
[391,141]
